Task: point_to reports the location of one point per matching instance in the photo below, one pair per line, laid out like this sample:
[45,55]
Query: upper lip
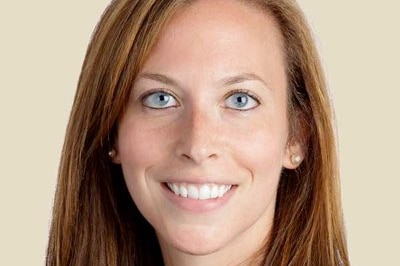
[198,180]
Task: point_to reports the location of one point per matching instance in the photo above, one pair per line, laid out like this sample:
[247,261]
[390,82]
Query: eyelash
[244,91]
[152,91]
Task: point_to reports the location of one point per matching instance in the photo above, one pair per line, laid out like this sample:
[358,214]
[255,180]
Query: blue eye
[241,101]
[159,100]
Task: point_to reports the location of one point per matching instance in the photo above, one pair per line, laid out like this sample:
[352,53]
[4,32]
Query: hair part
[94,218]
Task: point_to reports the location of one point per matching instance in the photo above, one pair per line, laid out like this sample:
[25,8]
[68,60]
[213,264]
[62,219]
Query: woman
[201,133]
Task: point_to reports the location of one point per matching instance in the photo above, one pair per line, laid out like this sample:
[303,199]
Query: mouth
[199,191]
[198,197]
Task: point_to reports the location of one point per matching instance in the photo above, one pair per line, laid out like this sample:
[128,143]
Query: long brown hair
[95,221]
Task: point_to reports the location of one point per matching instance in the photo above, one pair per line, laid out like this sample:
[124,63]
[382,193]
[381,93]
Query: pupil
[241,100]
[163,99]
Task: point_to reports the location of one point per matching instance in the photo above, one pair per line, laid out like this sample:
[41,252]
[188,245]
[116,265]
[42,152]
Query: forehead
[228,35]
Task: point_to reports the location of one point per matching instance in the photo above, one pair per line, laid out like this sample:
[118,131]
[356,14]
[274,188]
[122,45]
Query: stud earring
[296,159]
[112,153]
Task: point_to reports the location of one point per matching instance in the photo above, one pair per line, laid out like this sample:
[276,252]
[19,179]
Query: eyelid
[245,91]
[249,93]
[146,94]
[152,91]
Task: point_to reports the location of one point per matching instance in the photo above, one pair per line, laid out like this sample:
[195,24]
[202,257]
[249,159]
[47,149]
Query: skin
[202,137]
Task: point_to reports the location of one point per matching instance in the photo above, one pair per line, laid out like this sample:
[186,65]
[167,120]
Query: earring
[112,153]
[296,159]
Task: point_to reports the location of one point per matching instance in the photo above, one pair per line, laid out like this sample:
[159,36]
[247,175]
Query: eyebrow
[160,78]
[225,81]
[243,77]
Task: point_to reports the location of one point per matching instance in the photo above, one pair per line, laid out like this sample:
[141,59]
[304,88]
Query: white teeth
[183,191]
[170,186]
[193,192]
[214,191]
[202,192]
[221,191]
[175,189]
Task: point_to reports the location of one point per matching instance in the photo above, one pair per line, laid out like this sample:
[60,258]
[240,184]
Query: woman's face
[204,139]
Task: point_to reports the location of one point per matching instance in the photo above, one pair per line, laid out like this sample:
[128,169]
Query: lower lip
[198,206]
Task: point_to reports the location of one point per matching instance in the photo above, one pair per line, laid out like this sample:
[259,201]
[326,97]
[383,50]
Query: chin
[198,247]
[197,242]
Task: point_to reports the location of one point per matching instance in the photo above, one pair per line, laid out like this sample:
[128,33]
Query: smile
[199,191]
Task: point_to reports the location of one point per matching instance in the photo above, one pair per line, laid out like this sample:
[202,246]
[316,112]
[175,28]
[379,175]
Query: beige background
[42,46]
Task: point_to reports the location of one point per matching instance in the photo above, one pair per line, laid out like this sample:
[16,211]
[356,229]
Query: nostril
[197,148]
[198,157]
[186,156]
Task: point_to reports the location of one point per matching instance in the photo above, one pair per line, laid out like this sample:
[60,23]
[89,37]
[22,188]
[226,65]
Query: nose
[199,138]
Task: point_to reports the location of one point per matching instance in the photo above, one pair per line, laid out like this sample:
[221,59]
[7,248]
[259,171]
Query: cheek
[262,155]
[138,147]
[137,150]
[263,160]
[261,148]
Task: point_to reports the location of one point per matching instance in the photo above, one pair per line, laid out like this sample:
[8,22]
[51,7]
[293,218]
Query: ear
[116,159]
[294,155]
[114,156]
[114,150]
